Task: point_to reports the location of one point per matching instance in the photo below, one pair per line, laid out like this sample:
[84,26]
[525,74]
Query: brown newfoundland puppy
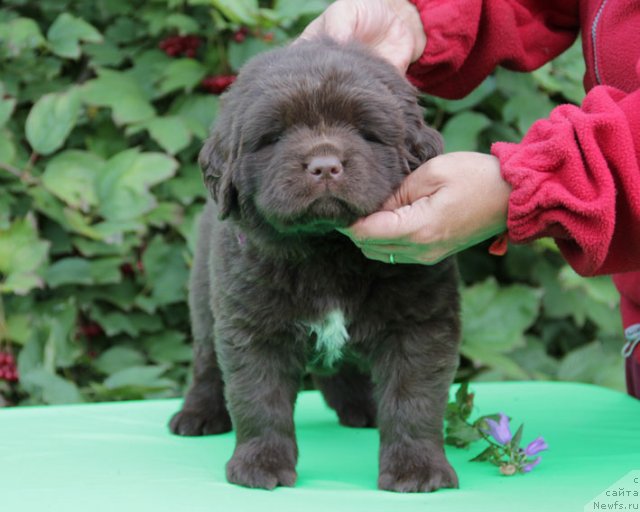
[309,138]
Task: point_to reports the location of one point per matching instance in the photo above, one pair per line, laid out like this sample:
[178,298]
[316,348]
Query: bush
[103,108]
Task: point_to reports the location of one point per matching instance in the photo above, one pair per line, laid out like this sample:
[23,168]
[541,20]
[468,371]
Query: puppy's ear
[422,143]
[217,163]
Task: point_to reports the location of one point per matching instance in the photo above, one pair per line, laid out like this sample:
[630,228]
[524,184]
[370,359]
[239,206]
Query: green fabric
[121,457]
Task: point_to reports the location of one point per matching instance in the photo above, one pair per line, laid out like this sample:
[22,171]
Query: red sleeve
[576,177]
[467,39]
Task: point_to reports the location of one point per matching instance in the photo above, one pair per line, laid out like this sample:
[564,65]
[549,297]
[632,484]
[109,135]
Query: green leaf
[471,100]
[7,147]
[517,437]
[595,363]
[105,54]
[170,132]
[462,130]
[525,108]
[7,106]
[198,112]
[83,272]
[123,187]
[244,12]
[168,347]
[495,318]
[489,453]
[459,433]
[67,31]
[165,271]
[54,389]
[487,356]
[138,376]
[121,93]
[22,254]
[18,35]
[294,9]
[600,288]
[114,322]
[51,120]
[240,53]
[118,358]
[187,186]
[181,74]
[71,175]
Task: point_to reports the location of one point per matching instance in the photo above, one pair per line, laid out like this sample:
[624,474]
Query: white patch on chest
[331,336]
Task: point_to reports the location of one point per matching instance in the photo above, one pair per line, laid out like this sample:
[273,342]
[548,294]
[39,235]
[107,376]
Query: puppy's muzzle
[324,168]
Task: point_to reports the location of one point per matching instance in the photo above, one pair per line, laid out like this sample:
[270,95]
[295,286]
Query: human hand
[391,28]
[449,203]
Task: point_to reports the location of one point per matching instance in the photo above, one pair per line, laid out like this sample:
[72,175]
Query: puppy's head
[313,136]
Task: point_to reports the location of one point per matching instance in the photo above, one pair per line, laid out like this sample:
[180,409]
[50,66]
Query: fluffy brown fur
[309,138]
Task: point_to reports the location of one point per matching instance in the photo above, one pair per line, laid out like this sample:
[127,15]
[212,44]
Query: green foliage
[99,194]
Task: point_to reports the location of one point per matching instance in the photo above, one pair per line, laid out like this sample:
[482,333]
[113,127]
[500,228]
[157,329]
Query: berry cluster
[217,84]
[176,46]
[8,369]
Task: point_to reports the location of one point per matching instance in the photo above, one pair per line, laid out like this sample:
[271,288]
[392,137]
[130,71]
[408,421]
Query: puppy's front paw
[197,423]
[261,465]
[417,472]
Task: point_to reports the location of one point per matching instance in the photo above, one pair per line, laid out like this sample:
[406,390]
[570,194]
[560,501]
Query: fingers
[394,226]
[420,255]
[338,22]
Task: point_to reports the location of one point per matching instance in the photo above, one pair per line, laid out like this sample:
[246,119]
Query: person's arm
[576,177]
[467,39]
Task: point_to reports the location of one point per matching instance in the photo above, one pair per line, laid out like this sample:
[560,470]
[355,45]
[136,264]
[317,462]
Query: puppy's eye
[371,137]
[269,140]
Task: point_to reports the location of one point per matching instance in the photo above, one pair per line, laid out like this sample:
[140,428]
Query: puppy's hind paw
[357,417]
[197,423]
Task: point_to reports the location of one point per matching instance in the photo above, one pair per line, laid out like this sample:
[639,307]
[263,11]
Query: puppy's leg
[350,394]
[262,381]
[204,411]
[413,372]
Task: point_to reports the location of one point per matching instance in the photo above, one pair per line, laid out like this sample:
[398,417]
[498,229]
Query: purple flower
[528,467]
[500,430]
[535,446]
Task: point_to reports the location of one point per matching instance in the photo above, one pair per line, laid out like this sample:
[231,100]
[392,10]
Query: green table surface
[121,457]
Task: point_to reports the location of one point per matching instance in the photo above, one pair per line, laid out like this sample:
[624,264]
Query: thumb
[417,185]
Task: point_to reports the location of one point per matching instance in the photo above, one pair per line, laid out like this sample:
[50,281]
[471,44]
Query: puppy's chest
[328,338]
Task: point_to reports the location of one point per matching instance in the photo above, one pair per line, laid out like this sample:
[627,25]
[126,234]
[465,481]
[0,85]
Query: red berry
[9,360]
[218,84]
[191,53]
[127,269]
[239,37]
[91,330]
[2,358]
[268,37]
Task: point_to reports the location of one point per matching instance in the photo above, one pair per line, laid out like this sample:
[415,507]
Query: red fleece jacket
[576,174]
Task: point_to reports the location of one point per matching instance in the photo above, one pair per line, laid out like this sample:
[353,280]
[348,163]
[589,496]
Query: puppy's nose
[325,167]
